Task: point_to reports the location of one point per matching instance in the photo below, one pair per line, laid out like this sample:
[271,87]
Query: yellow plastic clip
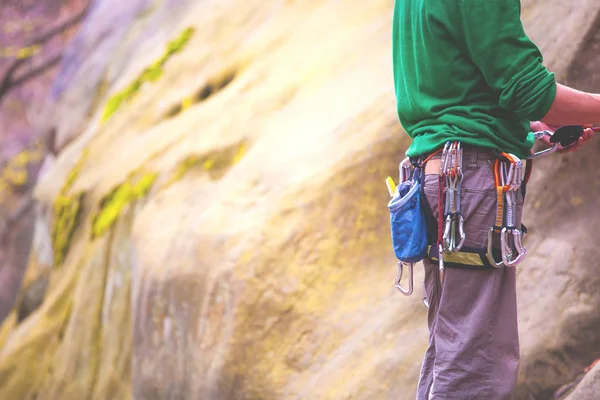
[389,182]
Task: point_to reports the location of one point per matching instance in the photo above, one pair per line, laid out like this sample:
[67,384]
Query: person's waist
[470,154]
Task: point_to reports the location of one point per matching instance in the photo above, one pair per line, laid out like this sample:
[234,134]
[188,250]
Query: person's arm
[492,35]
[511,64]
[573,107]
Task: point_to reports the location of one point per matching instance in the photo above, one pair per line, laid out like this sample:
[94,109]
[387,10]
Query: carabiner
[446,237]
[405,171]
[517,237]
[539,135]
[406,292]
[507,253]
[441,263]
[461,232]
[490,255]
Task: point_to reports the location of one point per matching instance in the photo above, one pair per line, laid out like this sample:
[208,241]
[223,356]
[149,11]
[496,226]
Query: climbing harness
[410,228]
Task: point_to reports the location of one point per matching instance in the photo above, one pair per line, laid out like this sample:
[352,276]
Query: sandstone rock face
[218,223]
[32,38]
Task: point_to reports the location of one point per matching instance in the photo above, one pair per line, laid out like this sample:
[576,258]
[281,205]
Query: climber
[466,72]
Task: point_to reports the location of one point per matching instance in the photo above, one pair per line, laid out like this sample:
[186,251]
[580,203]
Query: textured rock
[589,387]
[27,49]
[113,42]
[17,219]
[224,235]
[22,23]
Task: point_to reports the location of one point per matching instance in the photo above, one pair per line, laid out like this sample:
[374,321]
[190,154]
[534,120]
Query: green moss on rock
[112,205]
[150,74]
[67,212]
[215,164]
[16,172]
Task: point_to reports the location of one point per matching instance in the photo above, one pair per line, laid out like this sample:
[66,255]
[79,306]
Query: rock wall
[215,216]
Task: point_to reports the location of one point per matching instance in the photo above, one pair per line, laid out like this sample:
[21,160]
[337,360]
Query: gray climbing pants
[473,351]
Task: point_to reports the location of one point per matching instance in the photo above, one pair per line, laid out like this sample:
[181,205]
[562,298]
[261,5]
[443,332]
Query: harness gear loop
[499,215]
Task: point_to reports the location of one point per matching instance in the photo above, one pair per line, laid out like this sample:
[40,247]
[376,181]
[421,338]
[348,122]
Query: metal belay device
[564,136]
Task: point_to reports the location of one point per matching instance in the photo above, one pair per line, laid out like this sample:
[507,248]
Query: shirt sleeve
[511,64]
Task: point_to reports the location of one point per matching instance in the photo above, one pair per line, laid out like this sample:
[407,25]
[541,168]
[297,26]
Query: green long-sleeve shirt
[465,70]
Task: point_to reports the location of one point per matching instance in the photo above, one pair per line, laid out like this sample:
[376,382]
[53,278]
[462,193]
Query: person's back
[465,72]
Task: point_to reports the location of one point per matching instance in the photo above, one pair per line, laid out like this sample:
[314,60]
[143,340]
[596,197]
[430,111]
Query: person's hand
[537,126]
[588,134]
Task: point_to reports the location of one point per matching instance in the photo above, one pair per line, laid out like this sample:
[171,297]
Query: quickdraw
[450,219]
[451,169]
[508,176]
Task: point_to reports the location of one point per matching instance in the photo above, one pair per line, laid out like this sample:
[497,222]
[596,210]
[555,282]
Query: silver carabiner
[406,292]
[521,250]
[507,252]
[444,159]
[461,232]
[441,262]
[446,236]
[539,135]
[405,172]
[490,255]
[515,176]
